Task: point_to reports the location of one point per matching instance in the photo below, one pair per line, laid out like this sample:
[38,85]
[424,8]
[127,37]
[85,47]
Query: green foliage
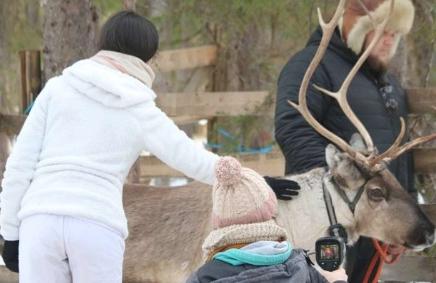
[106,8]
[178,25]
[24,26]
[292,19]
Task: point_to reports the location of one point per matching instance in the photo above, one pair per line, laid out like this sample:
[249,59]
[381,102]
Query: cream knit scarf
[127,64]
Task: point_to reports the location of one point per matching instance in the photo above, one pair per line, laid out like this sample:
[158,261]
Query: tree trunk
[70,30]
[399,66]
[421,43]
[3,35]
[5,59]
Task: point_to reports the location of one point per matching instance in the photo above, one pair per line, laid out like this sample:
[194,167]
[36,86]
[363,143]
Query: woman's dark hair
[129,33]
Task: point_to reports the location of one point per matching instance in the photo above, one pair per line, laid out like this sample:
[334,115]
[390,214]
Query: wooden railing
[186,58]
[191,106]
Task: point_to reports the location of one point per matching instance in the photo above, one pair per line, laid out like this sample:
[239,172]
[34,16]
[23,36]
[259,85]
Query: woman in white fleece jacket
[62,188]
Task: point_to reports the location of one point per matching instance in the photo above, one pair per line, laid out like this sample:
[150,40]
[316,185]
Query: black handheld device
[330,252]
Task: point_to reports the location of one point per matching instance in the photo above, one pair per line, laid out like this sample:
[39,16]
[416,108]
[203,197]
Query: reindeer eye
[376,194]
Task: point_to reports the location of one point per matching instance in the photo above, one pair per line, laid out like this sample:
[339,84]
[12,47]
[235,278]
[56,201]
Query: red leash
[382,255]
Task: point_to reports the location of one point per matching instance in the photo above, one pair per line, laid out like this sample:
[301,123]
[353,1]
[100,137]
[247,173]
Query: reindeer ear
[357,143]
[332,156]
[344,171]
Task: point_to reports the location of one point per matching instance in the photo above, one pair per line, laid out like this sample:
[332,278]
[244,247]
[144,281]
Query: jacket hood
[107,86]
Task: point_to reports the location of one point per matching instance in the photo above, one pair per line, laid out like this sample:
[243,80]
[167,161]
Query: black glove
[284,189]
[10,255]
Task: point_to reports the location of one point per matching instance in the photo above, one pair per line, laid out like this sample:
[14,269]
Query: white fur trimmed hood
[400,21]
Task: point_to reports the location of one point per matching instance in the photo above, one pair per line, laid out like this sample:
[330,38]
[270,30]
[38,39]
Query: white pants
[63,249]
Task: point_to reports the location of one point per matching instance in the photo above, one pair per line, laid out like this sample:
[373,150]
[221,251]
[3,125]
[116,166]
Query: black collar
[351,203]
[336,229]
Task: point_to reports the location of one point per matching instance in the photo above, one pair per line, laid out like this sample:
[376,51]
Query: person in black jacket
[374,95]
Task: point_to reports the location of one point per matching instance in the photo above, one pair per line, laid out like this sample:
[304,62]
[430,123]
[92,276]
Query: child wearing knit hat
[246,243]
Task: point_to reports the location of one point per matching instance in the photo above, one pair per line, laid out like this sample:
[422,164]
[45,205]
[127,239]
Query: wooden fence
[184,107]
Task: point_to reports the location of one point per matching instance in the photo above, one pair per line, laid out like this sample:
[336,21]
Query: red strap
[383,249]
[382,256]
[371,267]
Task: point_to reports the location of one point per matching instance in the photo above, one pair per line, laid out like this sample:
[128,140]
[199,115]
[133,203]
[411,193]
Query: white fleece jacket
[86,129]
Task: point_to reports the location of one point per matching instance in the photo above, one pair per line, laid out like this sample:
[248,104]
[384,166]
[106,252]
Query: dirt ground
[7,277]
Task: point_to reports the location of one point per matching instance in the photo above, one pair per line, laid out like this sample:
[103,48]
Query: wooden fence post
[5,149]
[31,83]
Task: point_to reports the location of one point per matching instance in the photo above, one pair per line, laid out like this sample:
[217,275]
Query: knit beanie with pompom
[244,207]
[240,195]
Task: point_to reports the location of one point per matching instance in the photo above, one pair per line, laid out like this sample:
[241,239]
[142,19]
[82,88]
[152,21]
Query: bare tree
[70,30]
[422,43]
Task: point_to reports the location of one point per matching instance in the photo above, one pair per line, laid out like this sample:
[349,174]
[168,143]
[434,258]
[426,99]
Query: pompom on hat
[356,24]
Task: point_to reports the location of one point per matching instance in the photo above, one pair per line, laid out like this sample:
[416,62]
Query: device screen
[329,252]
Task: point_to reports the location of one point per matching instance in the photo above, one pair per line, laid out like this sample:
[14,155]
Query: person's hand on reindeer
[283,189]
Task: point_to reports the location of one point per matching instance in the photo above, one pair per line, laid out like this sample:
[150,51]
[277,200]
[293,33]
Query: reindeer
[367,198]
[168,226]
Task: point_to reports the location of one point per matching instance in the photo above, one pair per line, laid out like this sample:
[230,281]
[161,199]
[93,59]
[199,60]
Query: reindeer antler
[372,160]
[327,29]
[393,147]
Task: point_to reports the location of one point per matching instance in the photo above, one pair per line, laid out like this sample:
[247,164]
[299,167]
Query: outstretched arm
[167,142]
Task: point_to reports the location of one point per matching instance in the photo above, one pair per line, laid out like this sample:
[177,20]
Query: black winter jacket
[302,146]
[295,270]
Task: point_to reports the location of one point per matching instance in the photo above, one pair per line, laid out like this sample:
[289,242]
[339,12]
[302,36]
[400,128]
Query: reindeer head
[384,211]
